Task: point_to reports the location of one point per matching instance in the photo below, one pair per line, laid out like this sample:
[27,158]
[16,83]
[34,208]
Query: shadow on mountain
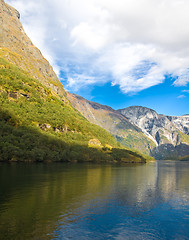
[29,143]
[169,151]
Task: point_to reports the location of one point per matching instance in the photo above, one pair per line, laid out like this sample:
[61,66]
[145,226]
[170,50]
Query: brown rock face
[17,48]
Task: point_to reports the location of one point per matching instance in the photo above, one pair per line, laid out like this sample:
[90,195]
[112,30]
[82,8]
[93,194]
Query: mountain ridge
[168,133]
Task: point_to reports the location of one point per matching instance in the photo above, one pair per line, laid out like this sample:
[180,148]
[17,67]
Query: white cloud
[181,96]
[79,80]
[132,43]
[88,36]
[186,91]
[183,78]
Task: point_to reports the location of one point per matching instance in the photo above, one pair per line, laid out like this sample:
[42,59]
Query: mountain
[37,121]
[169,133]
[17,48]
[139,128]
[126,132]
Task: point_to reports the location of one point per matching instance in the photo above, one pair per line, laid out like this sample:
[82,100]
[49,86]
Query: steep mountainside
[117,124]
[37,122]
[171,134]
[17,48]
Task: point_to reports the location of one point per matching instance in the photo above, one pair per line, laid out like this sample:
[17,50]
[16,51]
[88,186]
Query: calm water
[88,201]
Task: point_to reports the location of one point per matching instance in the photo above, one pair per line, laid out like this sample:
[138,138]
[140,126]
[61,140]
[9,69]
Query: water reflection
[85,201]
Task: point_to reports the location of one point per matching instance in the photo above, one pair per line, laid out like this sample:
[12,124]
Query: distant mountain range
[140,128]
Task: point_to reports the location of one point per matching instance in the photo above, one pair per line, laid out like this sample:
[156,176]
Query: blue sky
[164,98]
[118,53]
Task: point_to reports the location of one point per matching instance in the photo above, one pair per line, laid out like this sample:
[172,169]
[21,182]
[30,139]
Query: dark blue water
[89,201]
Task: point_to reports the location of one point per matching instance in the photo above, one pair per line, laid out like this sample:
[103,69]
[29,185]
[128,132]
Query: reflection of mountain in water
[153,184]
[37,199]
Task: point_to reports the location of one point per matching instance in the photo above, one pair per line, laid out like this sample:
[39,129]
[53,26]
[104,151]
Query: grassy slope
[137,142]
[183,137]
[64,134]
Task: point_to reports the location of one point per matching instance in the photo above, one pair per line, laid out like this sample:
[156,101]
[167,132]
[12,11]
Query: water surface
[90,201]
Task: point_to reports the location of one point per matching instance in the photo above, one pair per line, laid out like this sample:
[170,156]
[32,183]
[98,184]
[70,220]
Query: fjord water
[90,201]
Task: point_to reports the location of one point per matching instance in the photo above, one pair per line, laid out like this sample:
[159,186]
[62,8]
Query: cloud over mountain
[131,43]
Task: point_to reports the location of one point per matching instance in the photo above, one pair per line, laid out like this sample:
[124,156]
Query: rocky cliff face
[170,134]
[16,47]
[117,124]
[181,123]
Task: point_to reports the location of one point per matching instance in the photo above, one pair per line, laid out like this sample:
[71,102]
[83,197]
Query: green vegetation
[137,141]
[38,126]
[183,137]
